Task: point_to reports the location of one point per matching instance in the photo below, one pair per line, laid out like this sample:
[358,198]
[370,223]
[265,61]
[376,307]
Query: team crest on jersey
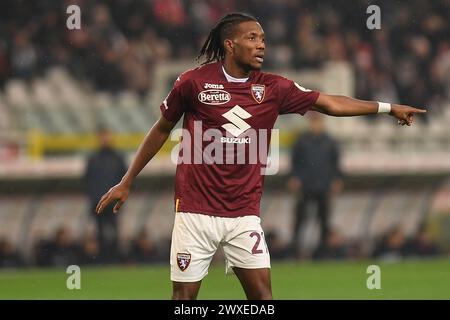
[183,260]
[258,92]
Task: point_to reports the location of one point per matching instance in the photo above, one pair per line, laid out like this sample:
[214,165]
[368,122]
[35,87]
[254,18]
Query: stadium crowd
[121,41]
[63,249]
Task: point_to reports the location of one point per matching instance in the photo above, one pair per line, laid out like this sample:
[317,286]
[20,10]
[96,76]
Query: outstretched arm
[341,106]
[152,143]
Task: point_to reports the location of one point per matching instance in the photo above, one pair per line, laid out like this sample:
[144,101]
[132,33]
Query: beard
[249,66]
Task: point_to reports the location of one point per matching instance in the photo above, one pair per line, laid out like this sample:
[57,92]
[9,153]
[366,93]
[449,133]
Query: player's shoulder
[282,82]
[206,71]
[273,78]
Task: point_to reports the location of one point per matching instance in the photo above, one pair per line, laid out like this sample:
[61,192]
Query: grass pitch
[413,279]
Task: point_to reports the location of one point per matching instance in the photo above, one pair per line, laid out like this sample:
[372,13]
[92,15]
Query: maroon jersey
[224,122]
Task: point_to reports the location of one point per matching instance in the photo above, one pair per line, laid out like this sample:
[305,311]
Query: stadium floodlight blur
[57,84]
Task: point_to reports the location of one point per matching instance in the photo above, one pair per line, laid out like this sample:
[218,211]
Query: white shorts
[196,237]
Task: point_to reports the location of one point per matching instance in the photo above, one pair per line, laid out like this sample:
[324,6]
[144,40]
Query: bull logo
[258,92]
[183,260]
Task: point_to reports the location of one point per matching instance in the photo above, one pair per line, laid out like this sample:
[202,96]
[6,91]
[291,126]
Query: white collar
[233,79]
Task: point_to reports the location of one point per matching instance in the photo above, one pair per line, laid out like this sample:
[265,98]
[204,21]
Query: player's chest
[217,103]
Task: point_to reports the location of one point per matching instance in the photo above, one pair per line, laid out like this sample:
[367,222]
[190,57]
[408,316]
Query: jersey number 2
[255,249]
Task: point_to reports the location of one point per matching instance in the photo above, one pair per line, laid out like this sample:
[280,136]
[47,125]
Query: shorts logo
[214,96]
[258,92]
[183,260]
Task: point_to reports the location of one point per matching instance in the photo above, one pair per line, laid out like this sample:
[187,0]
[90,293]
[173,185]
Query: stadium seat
[133,216]
[14,218]
[349,213]
[277,214]
[17,93]
[159,222]
[53,211]
[397,208]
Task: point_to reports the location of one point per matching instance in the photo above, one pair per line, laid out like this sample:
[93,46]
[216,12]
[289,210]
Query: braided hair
[213,49]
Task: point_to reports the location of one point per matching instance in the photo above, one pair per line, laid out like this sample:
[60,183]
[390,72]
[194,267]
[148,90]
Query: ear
[228,44]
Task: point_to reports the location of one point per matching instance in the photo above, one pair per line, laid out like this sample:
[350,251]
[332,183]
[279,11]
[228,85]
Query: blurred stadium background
[57,85]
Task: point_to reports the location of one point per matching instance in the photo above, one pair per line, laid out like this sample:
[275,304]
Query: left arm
[341,106]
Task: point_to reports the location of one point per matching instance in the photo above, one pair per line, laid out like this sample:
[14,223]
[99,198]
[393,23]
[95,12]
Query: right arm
[341,106]
[152,143]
